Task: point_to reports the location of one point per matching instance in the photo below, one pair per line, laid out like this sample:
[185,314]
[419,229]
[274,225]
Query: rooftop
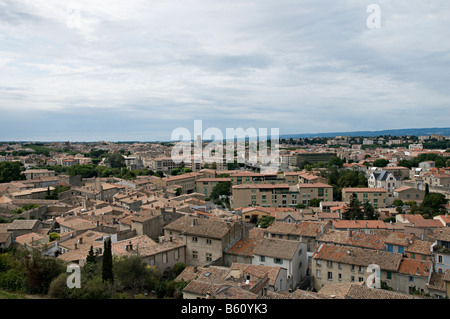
[277,248]
[359,256]
[212,228]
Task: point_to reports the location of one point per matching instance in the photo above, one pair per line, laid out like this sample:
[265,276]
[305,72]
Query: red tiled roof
[344,224]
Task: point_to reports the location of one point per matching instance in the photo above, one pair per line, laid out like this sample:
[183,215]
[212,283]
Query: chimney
[349,232]
[194,222]
[76,246]
[81,240]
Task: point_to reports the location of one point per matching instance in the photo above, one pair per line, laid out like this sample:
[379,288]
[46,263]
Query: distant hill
[397,132]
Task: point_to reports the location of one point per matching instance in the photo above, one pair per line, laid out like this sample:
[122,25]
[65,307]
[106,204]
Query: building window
[320,192]
[177,254]
[339,266]
[339,277]
[330,275]
[277,261]
[440,259]
[262,258]
[195,255]
[208,257]
[329,263]
[353,278]
[389,275]
[411,278]
[208,241]
[164,258]
[194,239]
[318,275]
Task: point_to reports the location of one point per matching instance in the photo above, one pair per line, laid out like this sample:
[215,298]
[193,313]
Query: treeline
[340,178]
[11,171]
[93,170]
[440,161]
[29,272]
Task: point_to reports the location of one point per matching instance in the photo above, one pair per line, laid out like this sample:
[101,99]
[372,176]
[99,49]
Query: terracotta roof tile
[358,256]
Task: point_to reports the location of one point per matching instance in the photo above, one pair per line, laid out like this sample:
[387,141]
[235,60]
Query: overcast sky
[136,70]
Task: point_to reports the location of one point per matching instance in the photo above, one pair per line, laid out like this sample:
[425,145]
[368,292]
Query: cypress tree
[107,267]
[354,210]
[91,257]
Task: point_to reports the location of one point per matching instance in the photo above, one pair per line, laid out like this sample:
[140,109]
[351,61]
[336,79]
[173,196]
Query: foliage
[132,274]
[369,211]
[354,210]
[335,161]
[344,178]
[265,221]
[380,162]
[221,189]
[40,271]
[431,204]
[398,202]
[53,236]
[315,202]
[107,263]
[178,268]
[91,259]
[115,160]
[56,191]
[10,171]
[27,271]
[439,160]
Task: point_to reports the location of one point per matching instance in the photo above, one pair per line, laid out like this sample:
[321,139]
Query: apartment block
[375,195]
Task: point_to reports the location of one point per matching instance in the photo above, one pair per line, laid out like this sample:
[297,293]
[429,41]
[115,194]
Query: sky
[137,70]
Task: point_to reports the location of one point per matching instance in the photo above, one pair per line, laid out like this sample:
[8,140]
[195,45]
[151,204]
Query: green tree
[432,204]
[380,162]
[107,263]
[221,189]
[115,160]
[91,259]
[55,193]
[315,202]
[335,161]
[53,236]
[354,210]
[158,174]
[398,202]
[10,171]
[369,211]
[40,271]
[178,268]
[131,273]
[265,221]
